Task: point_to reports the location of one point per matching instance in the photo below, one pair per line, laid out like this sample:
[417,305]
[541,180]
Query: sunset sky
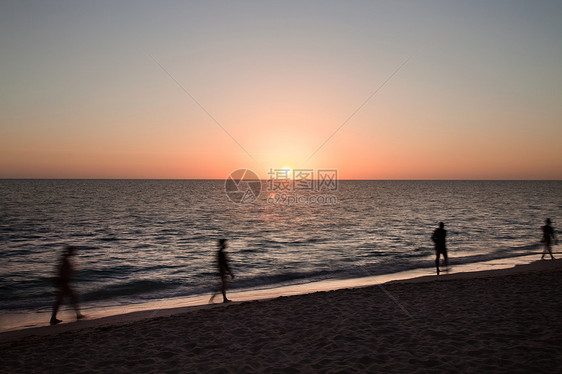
[474,88]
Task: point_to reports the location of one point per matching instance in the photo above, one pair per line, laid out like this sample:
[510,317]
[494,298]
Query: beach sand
[484,322]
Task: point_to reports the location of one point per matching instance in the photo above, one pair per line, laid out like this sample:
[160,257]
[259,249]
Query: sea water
[142,240]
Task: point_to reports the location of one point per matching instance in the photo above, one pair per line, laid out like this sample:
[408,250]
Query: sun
[287,170]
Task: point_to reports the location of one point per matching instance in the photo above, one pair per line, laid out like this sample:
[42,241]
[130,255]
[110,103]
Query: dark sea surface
[143,240]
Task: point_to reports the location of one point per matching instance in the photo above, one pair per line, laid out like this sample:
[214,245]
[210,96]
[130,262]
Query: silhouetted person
[224,269]
[65,276]
[548,237]
[438,238]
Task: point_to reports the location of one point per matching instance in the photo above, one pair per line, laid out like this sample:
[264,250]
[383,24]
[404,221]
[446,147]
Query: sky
[197,89]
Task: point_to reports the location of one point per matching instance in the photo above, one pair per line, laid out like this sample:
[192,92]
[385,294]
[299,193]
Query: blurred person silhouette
[224,269]
[65,276]
[438,238]
[548,237]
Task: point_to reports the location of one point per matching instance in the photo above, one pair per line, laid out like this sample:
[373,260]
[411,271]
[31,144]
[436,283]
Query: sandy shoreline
[496,321]
[31,319]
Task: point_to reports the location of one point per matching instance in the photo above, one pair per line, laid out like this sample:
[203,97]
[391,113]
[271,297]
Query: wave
[130,289]
[386,265]
[39,292]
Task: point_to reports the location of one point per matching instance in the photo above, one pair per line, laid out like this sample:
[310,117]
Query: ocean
[145,240]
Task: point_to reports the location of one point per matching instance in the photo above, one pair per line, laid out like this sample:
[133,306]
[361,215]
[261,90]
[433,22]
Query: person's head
[441,225]
[69,250]
[548,221]
[222,243]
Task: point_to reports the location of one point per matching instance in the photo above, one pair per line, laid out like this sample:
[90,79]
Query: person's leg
[445,257]
[216,292]
[58,301]
[223,288]
[437,255]
[544,250]
[213,296]
[74,300]
[549,247]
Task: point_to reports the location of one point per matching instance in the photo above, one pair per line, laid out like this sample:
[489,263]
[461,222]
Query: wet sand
[493,321]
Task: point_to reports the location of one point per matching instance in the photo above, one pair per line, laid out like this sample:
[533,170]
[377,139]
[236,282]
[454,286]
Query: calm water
[142,240]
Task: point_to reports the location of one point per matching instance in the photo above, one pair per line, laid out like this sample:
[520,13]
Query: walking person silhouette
[224,269]
[548,237]
[65,276]
[438,238]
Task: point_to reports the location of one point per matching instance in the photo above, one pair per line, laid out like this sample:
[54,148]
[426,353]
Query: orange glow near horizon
[381,142]
[353,157]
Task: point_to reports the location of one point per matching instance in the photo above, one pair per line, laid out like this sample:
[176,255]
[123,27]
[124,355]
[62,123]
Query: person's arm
[66,271]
